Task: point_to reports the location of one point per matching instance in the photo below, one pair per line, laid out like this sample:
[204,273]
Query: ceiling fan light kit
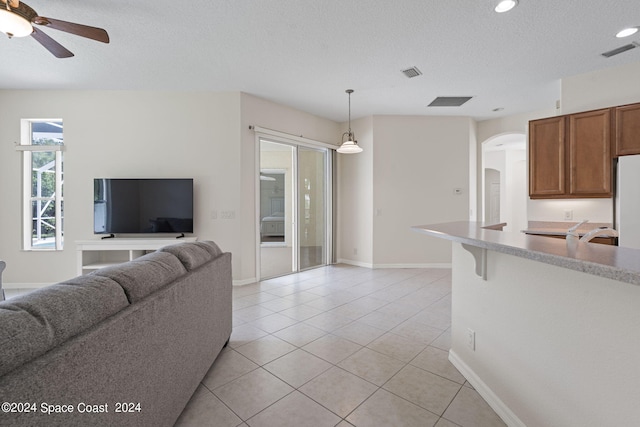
[17,20]
[627,32]
[350,146]
[505,5]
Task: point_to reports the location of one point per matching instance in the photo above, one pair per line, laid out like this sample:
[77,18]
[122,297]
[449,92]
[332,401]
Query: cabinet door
[547,157]
[627,129]
[590,154]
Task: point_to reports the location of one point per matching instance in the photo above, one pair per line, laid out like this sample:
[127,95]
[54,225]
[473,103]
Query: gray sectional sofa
[124,346]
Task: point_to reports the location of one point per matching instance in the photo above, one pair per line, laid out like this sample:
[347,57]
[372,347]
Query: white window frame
[27,149]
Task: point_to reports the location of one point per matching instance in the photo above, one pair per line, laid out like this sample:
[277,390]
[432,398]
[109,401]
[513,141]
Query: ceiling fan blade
[93,33]
[51,45]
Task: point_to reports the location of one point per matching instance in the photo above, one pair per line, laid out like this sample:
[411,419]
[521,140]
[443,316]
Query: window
[42,145]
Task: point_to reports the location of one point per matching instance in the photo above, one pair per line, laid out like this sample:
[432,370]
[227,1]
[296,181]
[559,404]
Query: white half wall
[553,346]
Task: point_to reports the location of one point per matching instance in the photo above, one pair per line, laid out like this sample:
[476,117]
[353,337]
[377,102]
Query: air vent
[449,101]
[412,72]
[619,50]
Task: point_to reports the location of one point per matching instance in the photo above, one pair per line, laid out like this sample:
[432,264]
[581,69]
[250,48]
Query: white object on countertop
[572,233]
[602,231]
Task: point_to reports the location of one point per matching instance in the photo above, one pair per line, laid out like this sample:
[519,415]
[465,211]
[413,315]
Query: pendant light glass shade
[350,146]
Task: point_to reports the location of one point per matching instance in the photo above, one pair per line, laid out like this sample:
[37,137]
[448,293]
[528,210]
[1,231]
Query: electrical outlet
[471,339]
[568,214]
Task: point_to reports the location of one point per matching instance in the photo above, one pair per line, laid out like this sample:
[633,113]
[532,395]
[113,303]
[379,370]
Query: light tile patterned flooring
[340,346]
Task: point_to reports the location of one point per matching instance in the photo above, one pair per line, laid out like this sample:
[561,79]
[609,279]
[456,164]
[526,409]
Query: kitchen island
[547,331]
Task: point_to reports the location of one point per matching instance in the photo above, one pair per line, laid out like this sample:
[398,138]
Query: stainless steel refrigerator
[627,201]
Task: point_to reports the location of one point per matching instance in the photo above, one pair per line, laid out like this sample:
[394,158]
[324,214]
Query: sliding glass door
[294,207]
[312,207]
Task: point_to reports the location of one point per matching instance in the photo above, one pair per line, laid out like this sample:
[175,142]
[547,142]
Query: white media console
[95,254]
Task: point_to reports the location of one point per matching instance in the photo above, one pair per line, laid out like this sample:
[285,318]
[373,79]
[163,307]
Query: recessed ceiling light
[627,32]
[505,5]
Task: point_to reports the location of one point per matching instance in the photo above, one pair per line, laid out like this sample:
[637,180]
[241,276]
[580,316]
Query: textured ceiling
[305,53]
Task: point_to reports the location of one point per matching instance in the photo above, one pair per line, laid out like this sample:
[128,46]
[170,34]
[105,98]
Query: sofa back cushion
[194,254]
[34,323]
[144,275]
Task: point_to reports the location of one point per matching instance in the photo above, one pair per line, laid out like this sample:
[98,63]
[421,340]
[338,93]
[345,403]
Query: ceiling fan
[17,19]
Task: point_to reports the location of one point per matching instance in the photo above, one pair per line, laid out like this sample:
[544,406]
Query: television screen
[142,205]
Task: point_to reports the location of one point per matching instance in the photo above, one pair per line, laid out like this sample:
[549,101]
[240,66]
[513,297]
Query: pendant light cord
[349,112]
[349,92]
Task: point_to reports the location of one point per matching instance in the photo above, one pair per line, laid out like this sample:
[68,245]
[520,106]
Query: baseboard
[374,266]
[487,394]
[434,265]
[244,282]
[356,263]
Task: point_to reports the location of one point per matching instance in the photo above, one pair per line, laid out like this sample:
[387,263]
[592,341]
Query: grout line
[380,286]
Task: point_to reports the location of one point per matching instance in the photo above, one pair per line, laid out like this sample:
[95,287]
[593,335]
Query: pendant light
[350,146]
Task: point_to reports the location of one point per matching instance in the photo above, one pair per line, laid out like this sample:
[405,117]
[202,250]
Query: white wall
[121,134]
[145,134]
[516,189]
[601,89]
[418,161]
[515,124]
[355,198]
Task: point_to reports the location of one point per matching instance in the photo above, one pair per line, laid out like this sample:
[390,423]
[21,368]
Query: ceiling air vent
[449,101]
[619,50]
[412,72]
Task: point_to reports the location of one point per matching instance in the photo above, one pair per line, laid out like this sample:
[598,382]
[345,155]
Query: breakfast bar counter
[613,262]
[546,330]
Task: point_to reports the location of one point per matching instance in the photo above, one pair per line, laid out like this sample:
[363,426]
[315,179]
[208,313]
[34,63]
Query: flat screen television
[141,206]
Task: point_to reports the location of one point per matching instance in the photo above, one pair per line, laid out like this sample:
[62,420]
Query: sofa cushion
[34,323]
[192,254]
[144,275]
[211,247]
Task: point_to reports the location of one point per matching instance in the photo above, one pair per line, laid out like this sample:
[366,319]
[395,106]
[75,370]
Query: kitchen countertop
[612,262]
[561,228]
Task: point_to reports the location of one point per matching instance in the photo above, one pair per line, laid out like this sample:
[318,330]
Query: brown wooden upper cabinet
[570,156]
[547,157]
[627,129]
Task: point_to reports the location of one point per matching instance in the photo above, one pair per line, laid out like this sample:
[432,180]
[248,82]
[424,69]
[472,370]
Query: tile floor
[340,346]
